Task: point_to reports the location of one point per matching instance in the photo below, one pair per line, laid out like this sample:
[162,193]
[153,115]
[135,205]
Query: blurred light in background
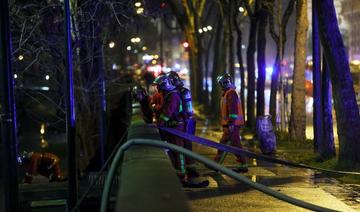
[111,44]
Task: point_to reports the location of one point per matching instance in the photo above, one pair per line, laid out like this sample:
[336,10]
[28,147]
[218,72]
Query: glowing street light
[135,40]
[15,76]
[21,57]
[241,9]
[200,31]
[128,48]
[47,77]
[144,48]
[111,44]
[139,10]
[186,44]
[209,28]
[205,29]
[137,4]
[42,129]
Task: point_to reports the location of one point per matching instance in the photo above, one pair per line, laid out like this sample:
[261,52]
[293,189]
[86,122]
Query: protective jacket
[46,164]
[172,111]
[156,103]
[231,110]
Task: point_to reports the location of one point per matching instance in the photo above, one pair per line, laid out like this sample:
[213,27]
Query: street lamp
[135,40]
[128,48]
[111,44]
[137,4]
[47,77]
[139,10]
[241,9]
[15,76]
[21,57]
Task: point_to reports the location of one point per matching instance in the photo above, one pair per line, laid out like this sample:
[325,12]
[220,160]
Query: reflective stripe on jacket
[231,110]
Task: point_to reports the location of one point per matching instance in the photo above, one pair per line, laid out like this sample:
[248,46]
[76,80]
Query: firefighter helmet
[139,93]
[24,157]
[163,82]
[225,81]
[175,78]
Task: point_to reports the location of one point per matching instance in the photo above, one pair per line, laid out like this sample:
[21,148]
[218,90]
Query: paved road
[226,194]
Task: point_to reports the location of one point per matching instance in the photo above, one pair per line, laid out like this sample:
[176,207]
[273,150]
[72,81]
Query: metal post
[8,147]
[70,113]
[316,56]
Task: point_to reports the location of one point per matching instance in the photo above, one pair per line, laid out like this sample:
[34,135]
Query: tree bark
[327,150]
[317,95]
[298,113]
[217,67]
[250,61]
[280,40]
[241,63]
[274,86]
[347,111]
[261,62]
[231,40]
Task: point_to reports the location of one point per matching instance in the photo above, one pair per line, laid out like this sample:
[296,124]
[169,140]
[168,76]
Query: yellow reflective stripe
[165,118]
[233,116]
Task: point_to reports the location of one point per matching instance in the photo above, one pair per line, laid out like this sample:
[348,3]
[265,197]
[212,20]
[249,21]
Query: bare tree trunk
[274,86]
[298,113]
[327,150]
[317,95]
[207,59]
[231,40]
[250,61]
[261,47]
[198,73]
[241,63]
[217,66]
[347,111]
[280,40]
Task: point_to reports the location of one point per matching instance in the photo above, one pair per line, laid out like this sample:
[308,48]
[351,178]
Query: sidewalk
[226,194]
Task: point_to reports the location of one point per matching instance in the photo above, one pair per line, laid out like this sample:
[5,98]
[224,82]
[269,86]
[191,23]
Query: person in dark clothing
[190,123]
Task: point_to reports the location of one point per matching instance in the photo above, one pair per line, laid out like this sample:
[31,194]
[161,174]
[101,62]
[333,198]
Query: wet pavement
[227,194]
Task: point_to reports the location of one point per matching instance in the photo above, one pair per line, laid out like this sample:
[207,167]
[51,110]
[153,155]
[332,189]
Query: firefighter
[140,94]
[170,115]
[190,123]
[232,119]
[45,164]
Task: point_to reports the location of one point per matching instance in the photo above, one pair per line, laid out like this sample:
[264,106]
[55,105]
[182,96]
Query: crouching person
[38,163]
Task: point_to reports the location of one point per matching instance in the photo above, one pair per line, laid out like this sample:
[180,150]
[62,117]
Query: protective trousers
[177,159]
[234,139]
[190,129]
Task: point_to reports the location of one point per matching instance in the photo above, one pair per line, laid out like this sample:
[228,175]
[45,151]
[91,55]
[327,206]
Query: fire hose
[235,150]
[160,144]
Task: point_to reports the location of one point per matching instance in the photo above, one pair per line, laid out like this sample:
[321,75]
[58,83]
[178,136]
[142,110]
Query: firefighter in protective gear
[140,95]
[190,123]
[232,118]
[170,115]
[45,164]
